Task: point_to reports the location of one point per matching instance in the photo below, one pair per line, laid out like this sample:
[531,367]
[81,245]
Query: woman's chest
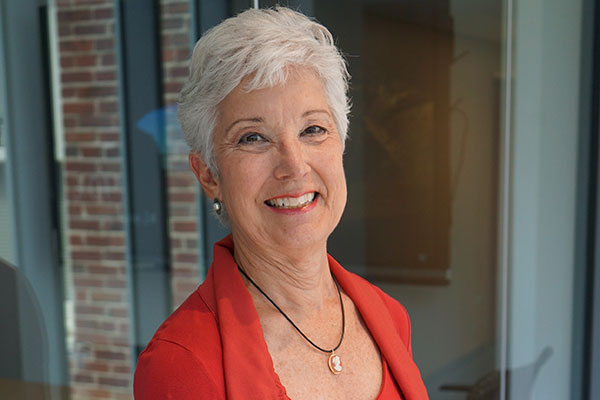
[304,371]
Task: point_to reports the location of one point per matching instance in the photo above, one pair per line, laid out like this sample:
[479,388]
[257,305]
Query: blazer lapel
[247,365]
[381,325]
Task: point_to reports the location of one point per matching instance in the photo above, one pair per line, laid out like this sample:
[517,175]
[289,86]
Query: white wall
[545,133]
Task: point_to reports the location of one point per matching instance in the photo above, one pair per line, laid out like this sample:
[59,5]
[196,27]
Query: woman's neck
[298,281]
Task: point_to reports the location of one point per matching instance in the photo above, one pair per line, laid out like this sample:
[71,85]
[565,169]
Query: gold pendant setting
[335,363]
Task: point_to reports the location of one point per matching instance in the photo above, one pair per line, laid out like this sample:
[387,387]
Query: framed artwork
[407,52]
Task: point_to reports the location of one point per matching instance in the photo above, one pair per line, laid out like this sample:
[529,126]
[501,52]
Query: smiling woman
[265,113]
[276,148]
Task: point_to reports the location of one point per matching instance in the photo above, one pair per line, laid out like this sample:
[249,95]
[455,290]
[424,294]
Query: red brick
[95,338]
[80,137]
[97,241]
[174,8]
[76,45]
[116,284]
[110,355]
[85,309]
[82,378]
[124,328]
[74,209]
[174,39]
[85,255]
[77,108]
[106,75]
[115,255]
[178,72]
[87,282]
[109,106]
[64,30]
[102,210]
[103,296]
[168,55]
[108,59]
[89,29]
[99,180]
[118,312]
[114,196]
[85,225]
[91,152]
[65,16]
[172,23]
[103,13]
[86,60]
[68,92]
[71,151]
[186,258]
[75,240]
[122,369]
[66,62]
[173,87]
[69,121]
[81,295]
[77,76]
[185,226]
[94,324]
[103,44]
[109,137]
[97,91]
[86,393]
[84,196]
[183,54]
[113,382]
[182,197]
[80,166]
[102,270]
[87,120]
[184,272]
[112,152]
[181,180]
[96,366]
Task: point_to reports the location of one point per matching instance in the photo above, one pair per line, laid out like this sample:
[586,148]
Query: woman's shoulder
[191,325]
[182,354]
[169,370]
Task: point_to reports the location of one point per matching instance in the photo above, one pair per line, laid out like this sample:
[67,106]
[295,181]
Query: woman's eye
[314,130]
[249,138]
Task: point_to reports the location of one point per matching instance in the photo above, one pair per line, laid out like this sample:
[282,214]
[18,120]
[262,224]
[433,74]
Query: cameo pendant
[335,363]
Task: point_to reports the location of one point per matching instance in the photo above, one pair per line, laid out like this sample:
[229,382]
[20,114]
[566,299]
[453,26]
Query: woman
[265,113]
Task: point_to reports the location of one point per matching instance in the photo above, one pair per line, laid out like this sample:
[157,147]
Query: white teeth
[292,202]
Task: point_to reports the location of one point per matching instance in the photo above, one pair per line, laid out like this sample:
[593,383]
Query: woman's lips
[291,202]
[293,205]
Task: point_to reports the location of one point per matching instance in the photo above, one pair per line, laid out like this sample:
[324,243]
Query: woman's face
[279,156]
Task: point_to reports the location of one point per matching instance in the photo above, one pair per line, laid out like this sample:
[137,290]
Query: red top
[389,387]
[212,346]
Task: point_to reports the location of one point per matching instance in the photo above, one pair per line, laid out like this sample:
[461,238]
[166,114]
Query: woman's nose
[291,161]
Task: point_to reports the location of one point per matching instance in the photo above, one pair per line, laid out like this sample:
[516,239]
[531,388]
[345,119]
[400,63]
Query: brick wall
[181,185]
[100,355]
[99,337]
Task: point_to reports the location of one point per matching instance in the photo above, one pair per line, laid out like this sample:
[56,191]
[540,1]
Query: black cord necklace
[334,361]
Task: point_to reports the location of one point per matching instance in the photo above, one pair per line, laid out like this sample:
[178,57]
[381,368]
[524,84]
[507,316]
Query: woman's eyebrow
[317,111]
[237,121]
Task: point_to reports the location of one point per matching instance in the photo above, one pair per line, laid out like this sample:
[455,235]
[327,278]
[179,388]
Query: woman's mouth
[288,203]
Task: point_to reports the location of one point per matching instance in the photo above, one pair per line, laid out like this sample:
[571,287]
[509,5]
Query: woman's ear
[205,176]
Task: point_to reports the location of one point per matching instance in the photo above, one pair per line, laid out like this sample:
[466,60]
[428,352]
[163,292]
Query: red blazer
[212,346]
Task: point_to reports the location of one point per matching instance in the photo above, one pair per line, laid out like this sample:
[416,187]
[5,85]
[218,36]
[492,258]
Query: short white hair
[260,44]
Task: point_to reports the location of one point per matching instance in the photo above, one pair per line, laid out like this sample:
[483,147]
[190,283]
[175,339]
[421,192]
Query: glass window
[464,166]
